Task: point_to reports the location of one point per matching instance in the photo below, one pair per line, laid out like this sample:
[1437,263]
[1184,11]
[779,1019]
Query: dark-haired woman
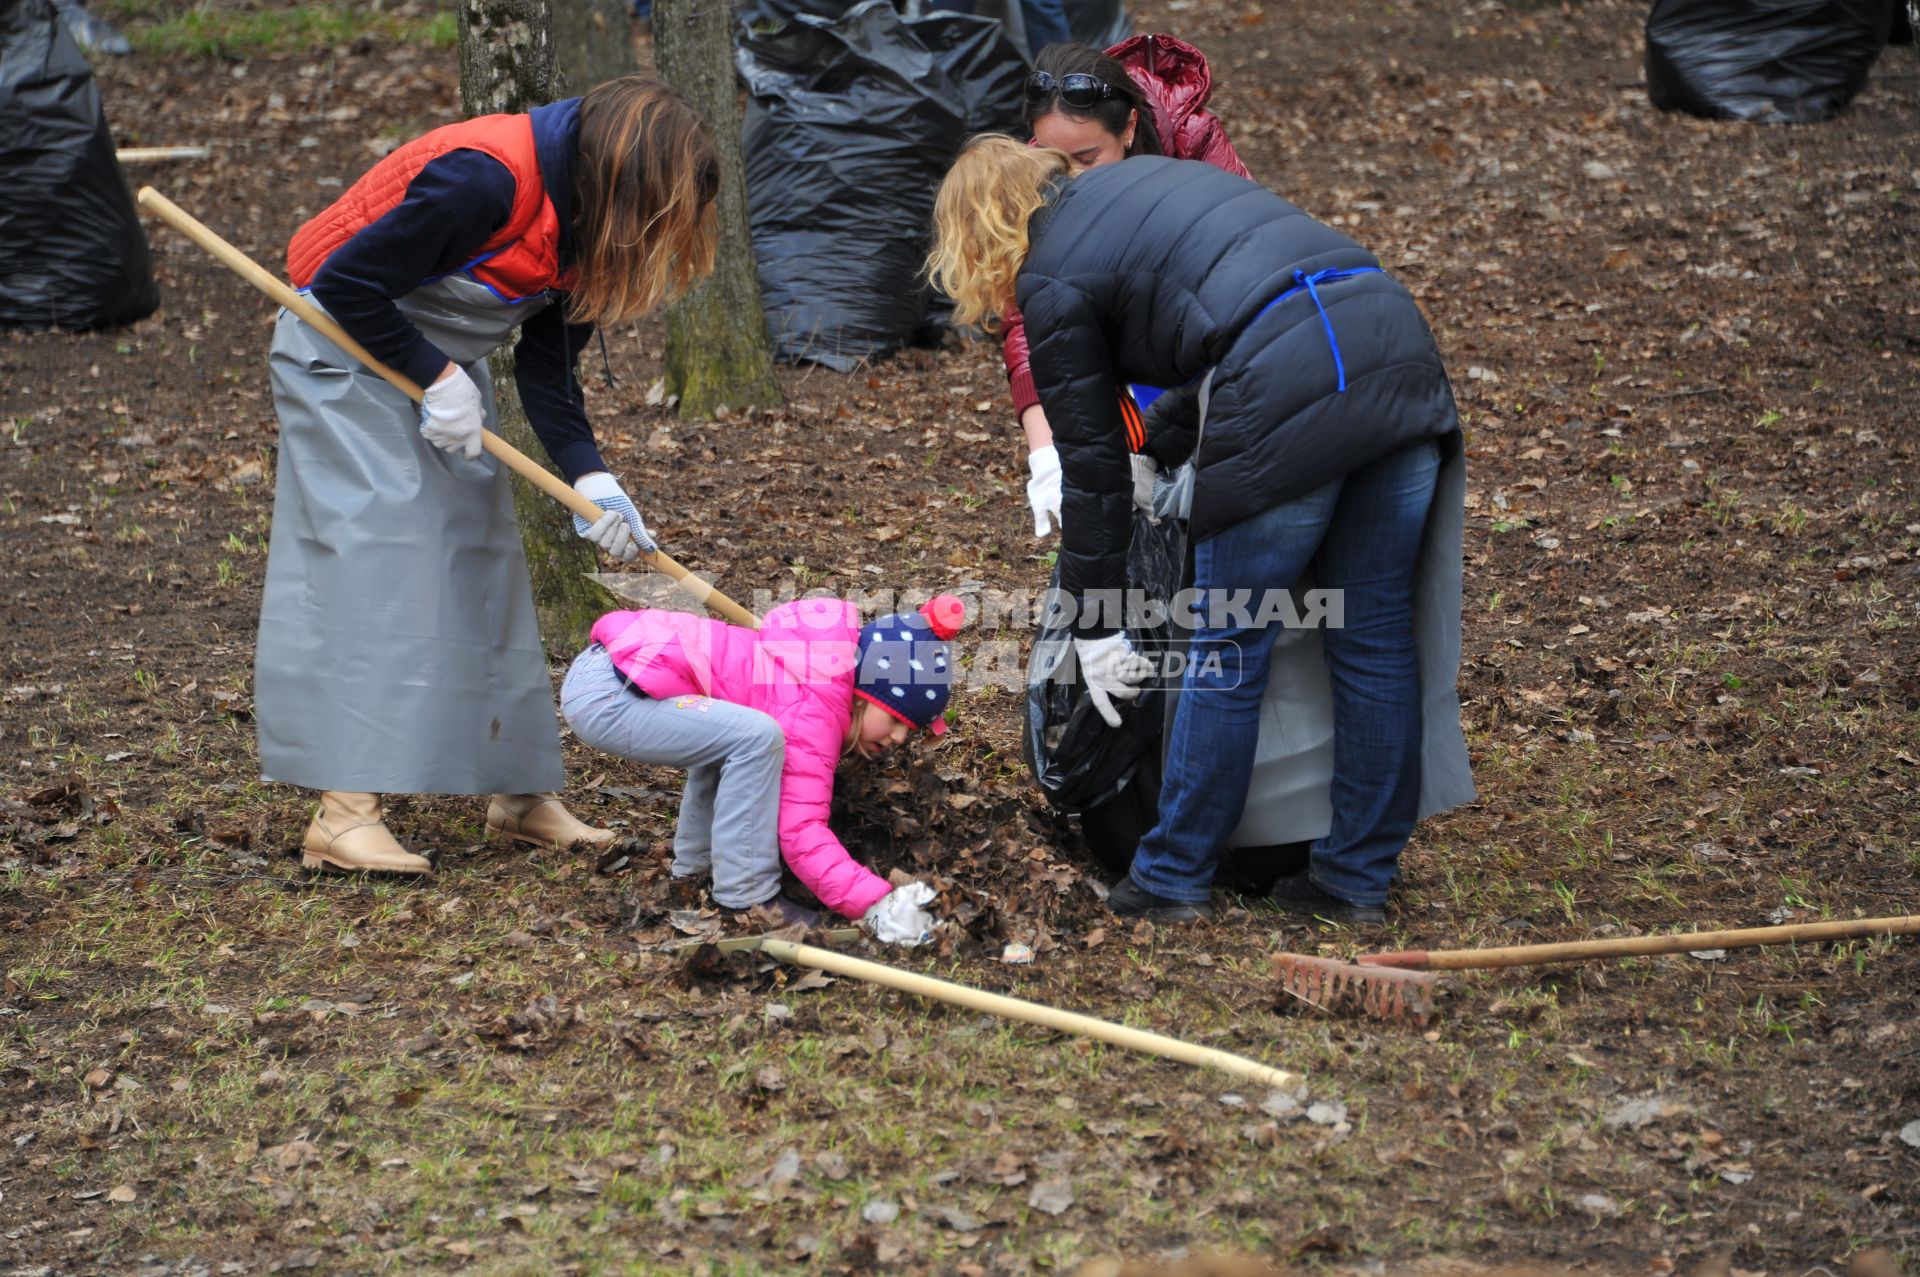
[398,649]
[1145,96]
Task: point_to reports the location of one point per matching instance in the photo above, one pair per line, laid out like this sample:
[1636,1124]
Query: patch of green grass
[201,30]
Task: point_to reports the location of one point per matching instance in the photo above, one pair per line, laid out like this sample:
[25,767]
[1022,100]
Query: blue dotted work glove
[619,531]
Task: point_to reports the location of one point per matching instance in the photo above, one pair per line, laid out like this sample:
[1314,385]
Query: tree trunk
[717,348]
[506,55]
[507,64]
[593,42]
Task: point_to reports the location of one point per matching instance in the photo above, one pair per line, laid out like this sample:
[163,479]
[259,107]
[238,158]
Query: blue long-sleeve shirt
[453,206]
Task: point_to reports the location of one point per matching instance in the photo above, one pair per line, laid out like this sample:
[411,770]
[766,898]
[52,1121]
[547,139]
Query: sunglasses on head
[1078,90]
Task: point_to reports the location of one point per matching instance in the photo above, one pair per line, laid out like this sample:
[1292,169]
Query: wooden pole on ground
[1085,1026]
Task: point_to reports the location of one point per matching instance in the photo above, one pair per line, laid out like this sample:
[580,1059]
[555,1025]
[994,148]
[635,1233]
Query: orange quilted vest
[520,260]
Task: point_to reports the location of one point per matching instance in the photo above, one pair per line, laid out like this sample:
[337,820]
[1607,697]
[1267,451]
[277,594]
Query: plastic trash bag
[851,123]
[982,63]
[72,253]
[1079,762]
[1110,777]
[1764,61]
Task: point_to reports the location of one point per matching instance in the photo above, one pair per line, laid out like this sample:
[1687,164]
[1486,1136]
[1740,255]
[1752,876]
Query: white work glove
[899,917]
[1043,489]
[451,415]
[619,531]
[1112,671]
[1144,474]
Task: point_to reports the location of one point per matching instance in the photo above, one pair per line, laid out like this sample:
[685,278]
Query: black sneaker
[1129,899]
[782,908]
[1298,895]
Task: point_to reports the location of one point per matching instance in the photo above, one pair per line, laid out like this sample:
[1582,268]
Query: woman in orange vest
[399,650]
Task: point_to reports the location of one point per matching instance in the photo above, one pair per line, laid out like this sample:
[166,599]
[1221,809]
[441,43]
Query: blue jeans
[1364,531]
[1045,20]
[1046,23]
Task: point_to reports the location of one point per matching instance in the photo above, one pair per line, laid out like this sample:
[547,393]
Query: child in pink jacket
[760,719]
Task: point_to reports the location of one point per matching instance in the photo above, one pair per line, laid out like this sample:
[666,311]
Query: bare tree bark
[717,348]
[508,64]
[506,55]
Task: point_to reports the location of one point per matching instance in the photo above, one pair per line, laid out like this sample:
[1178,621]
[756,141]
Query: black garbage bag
[1764,61]
[1079,762]
[1110,777]
[72,253]
[1113,831]
[850,125]
[983,65]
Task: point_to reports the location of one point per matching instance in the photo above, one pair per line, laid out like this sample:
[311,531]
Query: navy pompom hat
[906,666]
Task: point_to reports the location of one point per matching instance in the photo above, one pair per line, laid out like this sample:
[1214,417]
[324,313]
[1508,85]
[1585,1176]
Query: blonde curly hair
[980,223]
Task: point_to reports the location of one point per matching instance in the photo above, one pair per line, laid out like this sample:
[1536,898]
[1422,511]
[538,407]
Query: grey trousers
[729,810]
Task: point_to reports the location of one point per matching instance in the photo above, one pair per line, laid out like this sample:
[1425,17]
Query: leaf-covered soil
[1686,356]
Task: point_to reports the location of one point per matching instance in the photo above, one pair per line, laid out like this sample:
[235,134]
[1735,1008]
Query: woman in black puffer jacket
[1322,410]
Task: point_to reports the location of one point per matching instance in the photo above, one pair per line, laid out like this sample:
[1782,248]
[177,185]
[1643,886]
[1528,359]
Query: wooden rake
[514,459]
[1400,986]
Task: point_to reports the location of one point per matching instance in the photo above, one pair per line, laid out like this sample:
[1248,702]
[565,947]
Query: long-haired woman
[1326,417]
[398,649]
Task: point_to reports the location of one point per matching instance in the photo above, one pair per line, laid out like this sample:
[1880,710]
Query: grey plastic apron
[399,651]
[1289,798]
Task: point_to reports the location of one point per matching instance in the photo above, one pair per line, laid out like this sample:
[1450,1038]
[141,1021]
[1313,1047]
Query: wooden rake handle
[1579,950]
[514,459]
[1085,1026]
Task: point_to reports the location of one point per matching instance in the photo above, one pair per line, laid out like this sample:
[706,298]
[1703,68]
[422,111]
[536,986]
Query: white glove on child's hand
[1112,671]
[900,918]
[451,414]
[1043,489]
[619,531]
[1144,474]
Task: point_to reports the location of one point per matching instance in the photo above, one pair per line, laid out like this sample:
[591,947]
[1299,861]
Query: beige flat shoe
[542,820]
[349,833]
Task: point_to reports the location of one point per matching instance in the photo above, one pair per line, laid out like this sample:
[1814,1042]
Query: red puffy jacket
[523,256]
[1174,76]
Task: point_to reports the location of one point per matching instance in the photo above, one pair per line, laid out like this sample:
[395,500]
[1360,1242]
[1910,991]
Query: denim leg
[1045,22]
[1217,723]
[1370,554]
[693,835]
[744,746]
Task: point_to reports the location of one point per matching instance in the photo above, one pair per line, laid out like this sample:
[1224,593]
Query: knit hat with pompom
[906,666]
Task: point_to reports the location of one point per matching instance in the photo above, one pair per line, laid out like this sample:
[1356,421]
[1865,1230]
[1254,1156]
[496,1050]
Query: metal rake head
[1385,993]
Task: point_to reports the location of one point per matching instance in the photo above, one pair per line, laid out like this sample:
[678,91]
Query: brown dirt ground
[1686,354]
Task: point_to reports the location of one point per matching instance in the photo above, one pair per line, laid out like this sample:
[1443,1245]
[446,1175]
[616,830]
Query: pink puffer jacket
[798,667]
[1175,78]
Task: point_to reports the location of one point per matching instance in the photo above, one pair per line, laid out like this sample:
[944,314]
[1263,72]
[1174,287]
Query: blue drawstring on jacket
[1303,282]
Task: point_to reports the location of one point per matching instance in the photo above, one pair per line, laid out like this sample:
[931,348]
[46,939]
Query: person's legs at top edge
[1370,555]
[1046,22]
[1236,575]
